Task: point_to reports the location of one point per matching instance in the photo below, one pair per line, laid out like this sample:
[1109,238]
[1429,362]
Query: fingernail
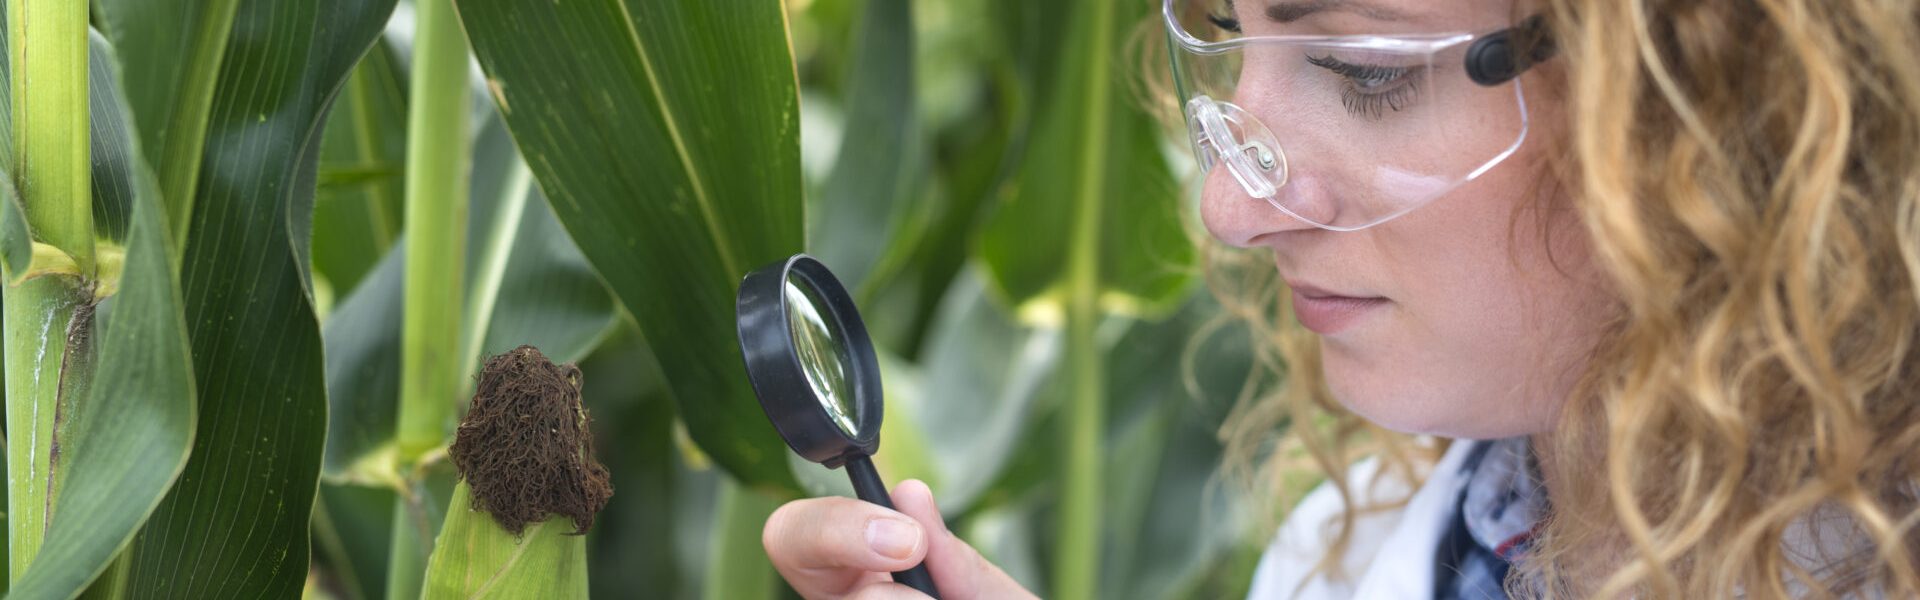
[892,538]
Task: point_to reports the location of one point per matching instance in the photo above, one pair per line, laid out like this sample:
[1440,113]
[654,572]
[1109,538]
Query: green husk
[475,558]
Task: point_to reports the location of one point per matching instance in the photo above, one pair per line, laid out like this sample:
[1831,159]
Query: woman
[1606,297]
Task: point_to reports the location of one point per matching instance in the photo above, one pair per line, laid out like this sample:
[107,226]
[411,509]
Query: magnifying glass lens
[826,346]
[823,355]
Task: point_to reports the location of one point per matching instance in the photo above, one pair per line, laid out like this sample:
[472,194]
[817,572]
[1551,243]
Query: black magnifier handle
[867,485]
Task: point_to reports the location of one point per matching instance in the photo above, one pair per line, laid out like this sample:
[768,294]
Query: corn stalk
[48,59]
[436,191]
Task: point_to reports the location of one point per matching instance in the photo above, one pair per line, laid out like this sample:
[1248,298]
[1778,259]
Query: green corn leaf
[665,136]
[16,239]
[363,377]
[236,522]
[117,168]
[985,65]
[1093,144]
[882,153]
[173,52]
[528,282]
[127,439]
[972,398]
[1169,515]
[737,564]
[357,214]
[352,531]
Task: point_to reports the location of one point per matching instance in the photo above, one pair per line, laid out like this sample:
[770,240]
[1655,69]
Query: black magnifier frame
[787,393]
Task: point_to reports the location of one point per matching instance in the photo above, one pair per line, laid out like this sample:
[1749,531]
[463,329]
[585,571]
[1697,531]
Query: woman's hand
[846,548]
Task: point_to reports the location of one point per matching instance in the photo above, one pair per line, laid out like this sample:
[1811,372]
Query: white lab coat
[1390,554]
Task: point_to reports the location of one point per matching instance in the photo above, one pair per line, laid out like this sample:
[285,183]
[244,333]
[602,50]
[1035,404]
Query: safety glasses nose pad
[1223,132]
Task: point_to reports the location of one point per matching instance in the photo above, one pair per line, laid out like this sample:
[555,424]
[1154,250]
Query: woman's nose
[1235,217]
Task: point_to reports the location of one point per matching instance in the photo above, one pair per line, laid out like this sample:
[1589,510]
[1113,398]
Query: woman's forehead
[1385,16]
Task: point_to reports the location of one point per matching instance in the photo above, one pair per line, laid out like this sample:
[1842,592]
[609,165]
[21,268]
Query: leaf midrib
[679,145]
[493,264]
[186,125]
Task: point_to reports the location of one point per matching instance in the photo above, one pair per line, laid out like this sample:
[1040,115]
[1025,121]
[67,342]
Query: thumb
[958,570]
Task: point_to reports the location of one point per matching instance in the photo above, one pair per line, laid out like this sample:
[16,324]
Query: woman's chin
[1409,406]
[1401,416]
[1407,403]
[1374,395]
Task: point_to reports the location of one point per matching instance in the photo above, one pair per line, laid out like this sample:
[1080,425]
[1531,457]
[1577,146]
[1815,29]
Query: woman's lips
[1326,313]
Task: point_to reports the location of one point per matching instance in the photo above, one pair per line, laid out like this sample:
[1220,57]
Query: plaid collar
[1493,522]
[1504,498]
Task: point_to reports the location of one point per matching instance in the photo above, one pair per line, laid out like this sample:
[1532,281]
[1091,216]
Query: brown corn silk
[525,447]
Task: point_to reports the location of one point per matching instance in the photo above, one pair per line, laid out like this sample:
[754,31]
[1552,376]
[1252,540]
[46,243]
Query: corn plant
[257,254]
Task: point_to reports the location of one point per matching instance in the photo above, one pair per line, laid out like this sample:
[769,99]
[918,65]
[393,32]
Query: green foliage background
[981,172]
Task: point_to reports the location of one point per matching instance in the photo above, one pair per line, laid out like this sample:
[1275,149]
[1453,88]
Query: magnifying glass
[814,370]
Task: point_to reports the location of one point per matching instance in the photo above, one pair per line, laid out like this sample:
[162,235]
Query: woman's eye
[1371,90]
[1225,22]
[1224,19]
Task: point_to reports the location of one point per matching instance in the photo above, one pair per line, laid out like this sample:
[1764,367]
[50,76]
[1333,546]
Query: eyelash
[1226,22]
[1370,104]
[1230,24]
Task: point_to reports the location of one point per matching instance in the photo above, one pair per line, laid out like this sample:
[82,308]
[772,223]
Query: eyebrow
[1288,12]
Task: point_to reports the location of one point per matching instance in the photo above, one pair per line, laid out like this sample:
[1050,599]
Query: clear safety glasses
[1349,131]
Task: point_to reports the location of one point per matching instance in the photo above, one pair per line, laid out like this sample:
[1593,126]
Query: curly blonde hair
[1749,174]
